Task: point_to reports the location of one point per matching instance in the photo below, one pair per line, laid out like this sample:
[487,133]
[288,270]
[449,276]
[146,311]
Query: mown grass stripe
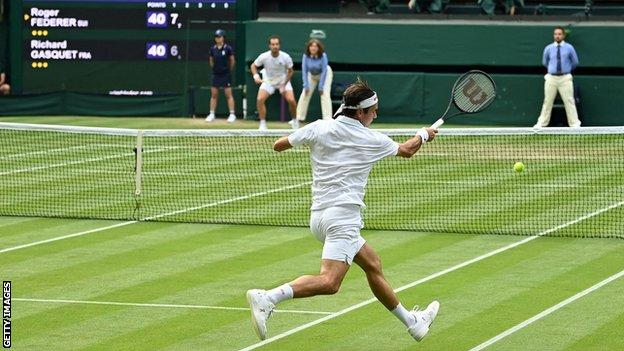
[547,311]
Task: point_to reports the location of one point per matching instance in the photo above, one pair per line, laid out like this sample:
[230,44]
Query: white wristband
[423,134]
[256,76]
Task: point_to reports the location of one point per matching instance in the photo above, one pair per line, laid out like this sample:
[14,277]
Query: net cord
[283,132]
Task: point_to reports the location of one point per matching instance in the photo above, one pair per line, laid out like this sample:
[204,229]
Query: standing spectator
[222,62]
[315,71]
[559,59]
[278,68]
[5,88]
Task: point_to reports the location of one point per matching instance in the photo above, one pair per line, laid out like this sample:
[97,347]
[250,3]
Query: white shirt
[343,153]
[275,68]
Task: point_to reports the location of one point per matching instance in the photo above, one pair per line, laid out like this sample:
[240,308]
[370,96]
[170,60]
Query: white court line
[42,152]
[222,202]
[66,236]
[63,164]
[160,305]
[155,217]
[547,311]
[50,151]
[430,277]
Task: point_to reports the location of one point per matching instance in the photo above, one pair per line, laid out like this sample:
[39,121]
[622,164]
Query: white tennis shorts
[271,88]
[338,228]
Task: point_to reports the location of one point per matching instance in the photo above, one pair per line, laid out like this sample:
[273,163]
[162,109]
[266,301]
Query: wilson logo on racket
[471,90]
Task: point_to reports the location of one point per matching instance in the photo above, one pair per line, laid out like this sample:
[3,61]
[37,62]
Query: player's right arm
[411,146]
[302,136]
[254,69]
[255,74]
[282,144]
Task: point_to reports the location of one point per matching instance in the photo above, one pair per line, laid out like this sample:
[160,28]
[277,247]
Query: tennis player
[278,68]
[343,152]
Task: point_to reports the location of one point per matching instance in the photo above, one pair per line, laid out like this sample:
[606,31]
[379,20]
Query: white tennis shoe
[263,126]
[423,320]
[210,117]
[231,118]
[261,309]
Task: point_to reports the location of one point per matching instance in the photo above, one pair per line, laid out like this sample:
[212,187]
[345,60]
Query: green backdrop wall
[409,97]
[406,96]
[401,42]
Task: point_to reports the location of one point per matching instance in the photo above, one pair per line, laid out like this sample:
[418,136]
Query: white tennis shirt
[342,153]
[276,68]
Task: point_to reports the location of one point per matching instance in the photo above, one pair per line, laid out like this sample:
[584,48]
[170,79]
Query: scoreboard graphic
[121,47]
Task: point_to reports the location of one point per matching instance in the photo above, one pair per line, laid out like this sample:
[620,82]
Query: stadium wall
[424,60]
[424,96]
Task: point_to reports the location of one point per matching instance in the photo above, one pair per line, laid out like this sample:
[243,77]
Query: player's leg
[326,104]
[327,282]
[417,322]
[304,98]
[338,228]
[289,96]
[566,91]
[214,97]
[370,263]
[550,92]
[263,94]
[230,102]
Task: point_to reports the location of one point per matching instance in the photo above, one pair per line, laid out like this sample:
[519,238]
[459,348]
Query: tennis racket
[473,92]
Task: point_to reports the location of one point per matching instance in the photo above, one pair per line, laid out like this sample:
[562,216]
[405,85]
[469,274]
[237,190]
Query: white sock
[262,122]
[281,293]
[231,112]
[211,112]
[404,316]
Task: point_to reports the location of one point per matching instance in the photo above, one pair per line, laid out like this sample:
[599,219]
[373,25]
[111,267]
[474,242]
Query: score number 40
[160,50]
[159,19]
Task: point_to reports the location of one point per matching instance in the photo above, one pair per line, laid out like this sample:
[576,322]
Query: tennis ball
[518,167]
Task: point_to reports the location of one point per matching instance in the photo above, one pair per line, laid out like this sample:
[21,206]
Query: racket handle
[437,123]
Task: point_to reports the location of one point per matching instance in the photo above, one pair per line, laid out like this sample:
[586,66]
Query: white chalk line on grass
[429,277]
[51,151]
[548,311]
[160,305]
[223,202]
[190,209]
[77,162]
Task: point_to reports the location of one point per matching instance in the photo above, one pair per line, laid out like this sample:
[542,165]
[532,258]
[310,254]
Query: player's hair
[356,93]
[274,36]
[562,29]
[321,48]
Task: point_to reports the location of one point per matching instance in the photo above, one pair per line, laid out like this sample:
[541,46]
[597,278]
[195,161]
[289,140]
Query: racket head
[473,92]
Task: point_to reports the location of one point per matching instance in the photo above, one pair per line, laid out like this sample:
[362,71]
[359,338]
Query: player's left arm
[411,146]
[282,144]
[302,136]
[289,69]
[289,74]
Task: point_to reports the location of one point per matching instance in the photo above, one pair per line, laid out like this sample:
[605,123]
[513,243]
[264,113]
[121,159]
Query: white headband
[366,103]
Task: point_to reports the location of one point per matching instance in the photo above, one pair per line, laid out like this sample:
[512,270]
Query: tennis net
[462,182]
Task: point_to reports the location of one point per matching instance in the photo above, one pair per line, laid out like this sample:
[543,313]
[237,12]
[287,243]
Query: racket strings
[474,93]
